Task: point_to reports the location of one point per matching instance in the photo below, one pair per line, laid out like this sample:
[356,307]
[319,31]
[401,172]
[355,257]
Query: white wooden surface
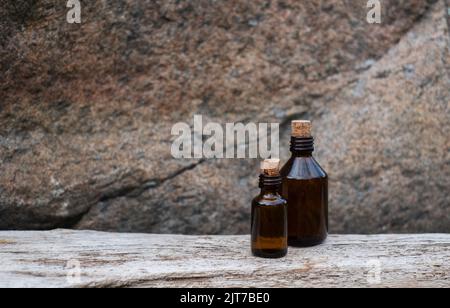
[51,259]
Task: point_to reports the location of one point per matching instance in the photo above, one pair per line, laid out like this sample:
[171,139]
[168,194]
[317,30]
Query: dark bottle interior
[305,186]
[269,220]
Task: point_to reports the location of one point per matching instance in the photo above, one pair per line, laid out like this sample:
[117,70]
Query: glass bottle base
[310,242]
[269,253]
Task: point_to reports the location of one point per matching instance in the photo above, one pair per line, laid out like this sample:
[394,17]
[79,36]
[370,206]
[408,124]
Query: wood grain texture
[47,259]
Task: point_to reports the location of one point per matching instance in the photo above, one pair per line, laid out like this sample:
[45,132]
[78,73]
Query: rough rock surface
[86,110]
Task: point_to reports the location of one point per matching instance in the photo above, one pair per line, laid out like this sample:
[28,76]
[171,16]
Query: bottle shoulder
[269,200]
[303,168]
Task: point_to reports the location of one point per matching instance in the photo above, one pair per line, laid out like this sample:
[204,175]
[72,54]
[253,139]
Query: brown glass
[269,220]
[305,186]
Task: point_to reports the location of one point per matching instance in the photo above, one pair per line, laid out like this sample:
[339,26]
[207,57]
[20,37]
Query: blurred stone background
[86,110]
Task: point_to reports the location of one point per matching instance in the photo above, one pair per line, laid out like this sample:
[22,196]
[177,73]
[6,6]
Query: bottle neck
[302,147]
[270,184]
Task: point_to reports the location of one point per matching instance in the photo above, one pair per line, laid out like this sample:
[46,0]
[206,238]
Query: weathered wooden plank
[50,259]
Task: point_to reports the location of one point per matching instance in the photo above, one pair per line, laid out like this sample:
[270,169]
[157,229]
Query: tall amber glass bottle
[305,186]
[269,214]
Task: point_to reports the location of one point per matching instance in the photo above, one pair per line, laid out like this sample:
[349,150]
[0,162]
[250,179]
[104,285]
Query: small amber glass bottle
[305,186]
[269,214]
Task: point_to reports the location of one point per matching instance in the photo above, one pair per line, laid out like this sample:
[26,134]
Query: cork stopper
[270,167]
[301,129]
